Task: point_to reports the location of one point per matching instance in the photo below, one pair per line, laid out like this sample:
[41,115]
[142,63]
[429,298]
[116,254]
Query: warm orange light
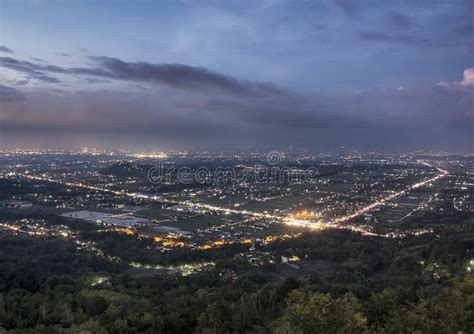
[270,238]
[305,214]
[127,231]
[169,242]
[173,243]
[218,243]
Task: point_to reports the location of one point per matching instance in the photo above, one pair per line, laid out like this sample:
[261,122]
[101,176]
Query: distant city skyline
[370,75]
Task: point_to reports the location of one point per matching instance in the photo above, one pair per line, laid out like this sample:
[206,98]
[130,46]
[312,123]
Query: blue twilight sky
[314,73]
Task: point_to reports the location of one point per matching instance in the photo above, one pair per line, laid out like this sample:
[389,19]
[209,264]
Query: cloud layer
[178,76]
[185,104]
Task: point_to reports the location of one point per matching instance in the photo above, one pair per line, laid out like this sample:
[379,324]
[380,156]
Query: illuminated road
[148,197]
[383,201]
[339,222]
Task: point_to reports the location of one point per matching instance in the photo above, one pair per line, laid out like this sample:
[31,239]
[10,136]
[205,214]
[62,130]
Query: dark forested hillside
[377,285]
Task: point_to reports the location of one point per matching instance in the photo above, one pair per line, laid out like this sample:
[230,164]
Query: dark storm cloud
[173,75]
[398,19]
[32,70]
[9,94]
[176,75]
[5,49]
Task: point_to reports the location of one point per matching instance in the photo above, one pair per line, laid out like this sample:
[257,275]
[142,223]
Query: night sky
[368,74]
